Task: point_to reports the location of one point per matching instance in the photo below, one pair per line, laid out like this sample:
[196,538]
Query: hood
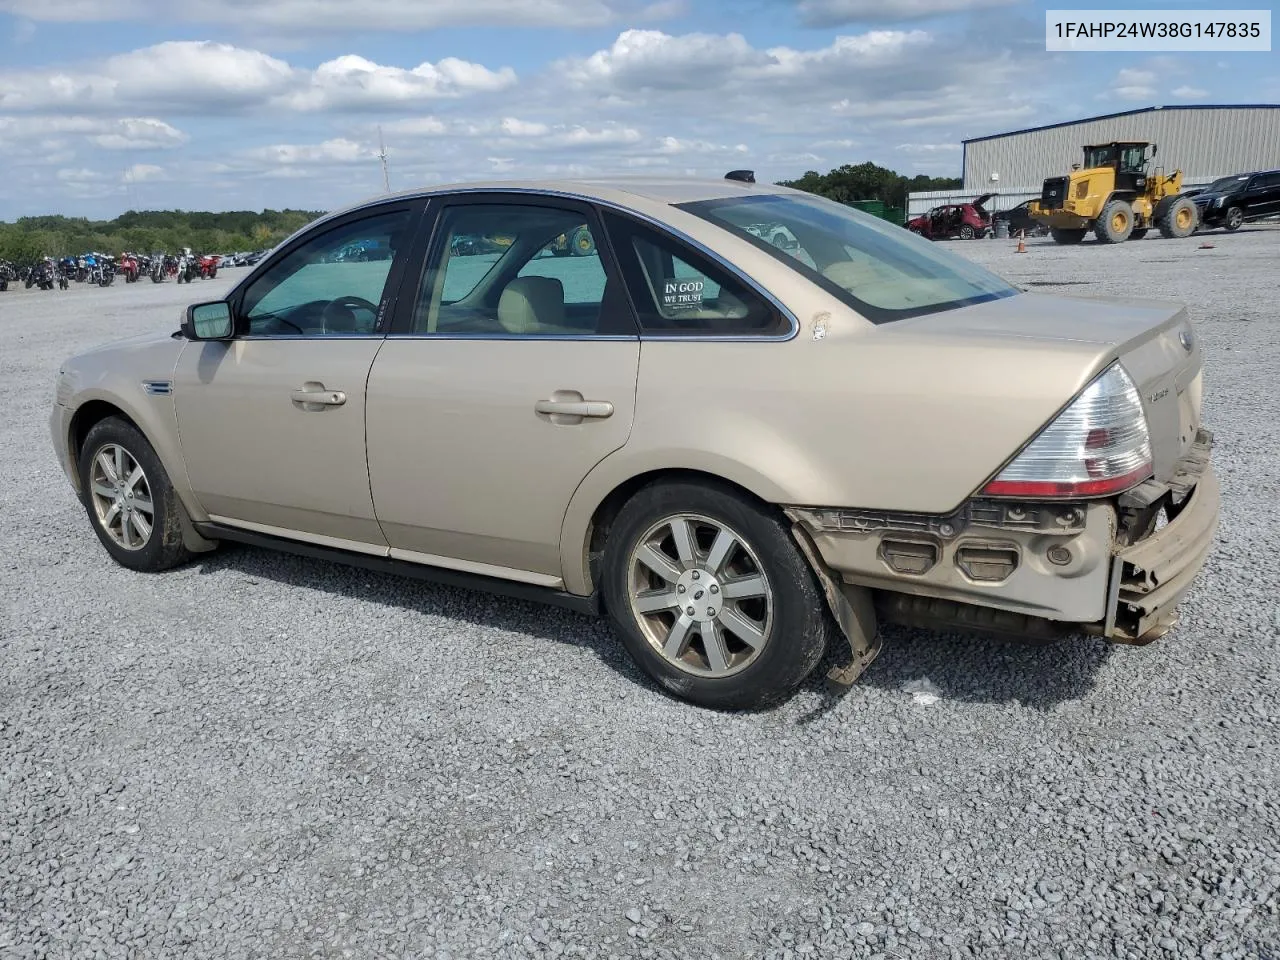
[129,345]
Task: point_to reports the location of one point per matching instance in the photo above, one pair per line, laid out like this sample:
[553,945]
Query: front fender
[118,377]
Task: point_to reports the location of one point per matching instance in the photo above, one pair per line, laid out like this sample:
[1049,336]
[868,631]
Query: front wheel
[712,597]
[1234,219]
[1177,218]
[129,499]
[966,232]
[1115,223]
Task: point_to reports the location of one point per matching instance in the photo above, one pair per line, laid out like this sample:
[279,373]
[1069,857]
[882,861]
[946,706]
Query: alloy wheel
[700,596]
[121,495]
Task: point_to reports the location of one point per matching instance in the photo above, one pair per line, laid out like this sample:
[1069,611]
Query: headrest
[850,274]
[529,304]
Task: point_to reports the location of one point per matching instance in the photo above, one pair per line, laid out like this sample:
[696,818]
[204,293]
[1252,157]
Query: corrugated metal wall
[1204,143]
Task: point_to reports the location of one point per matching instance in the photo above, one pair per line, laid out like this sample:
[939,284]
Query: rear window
[884,272]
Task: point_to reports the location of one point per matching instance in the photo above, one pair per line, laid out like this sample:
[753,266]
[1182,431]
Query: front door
[512,373]
[272,422]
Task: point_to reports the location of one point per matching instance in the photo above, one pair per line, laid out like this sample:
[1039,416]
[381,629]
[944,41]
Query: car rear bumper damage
[1114,568]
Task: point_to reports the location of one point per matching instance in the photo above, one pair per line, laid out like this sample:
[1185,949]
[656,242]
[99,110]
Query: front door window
[332,285]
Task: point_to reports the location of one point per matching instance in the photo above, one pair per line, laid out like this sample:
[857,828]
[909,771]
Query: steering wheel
[350,304]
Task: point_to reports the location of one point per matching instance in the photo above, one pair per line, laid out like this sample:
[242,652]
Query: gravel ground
[263,756]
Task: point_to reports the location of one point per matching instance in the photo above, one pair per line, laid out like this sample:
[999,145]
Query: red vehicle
[128,266]
[209,267]
[963,220]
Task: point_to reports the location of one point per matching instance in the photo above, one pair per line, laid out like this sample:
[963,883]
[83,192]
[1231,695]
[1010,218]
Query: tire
[213,273]
[1139,233]
[785,605]
[966,232]
[161,547]
[584,244]
[1177,219]
[1233,220]
[1067,236]
[1114,223]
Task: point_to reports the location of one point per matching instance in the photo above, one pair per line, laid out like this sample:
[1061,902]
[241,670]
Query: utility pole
[382,155]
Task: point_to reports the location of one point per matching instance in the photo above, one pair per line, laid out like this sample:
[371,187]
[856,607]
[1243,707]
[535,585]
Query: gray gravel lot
[263,756]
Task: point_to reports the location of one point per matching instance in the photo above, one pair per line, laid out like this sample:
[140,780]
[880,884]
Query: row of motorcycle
[102,270]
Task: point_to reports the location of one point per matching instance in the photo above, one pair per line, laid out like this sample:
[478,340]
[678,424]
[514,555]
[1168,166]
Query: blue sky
[107,105]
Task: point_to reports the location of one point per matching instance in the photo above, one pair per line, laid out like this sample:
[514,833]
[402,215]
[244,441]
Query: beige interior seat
[532,305]
[850,274]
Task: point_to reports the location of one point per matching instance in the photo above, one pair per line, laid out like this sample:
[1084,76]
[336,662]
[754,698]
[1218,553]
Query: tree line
[148,231]
[867,181]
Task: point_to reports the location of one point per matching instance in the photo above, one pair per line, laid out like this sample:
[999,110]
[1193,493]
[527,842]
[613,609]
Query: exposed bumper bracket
[854,611]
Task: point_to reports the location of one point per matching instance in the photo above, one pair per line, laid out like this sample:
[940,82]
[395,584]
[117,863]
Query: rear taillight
[1097,446]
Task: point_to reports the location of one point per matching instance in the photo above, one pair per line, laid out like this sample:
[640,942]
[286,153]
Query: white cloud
[337,151]
[927,148]
[142,172]
[1185,92]
[351,82]
[125,133]
[832,13]
[513,127]
[193,77]
[309,17]
[1132,84]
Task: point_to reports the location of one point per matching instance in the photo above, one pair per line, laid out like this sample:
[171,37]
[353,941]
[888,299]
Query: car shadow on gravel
[964,668]
[430,599]
[975,669]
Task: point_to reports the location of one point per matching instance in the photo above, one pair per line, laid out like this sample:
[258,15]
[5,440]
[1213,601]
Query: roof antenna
[745,176]
[382,155]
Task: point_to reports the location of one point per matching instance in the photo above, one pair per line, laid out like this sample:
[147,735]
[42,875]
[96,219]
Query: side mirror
[208,321]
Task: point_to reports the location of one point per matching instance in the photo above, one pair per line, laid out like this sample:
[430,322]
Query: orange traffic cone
[1022,247]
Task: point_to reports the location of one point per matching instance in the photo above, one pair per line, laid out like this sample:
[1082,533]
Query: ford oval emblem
[1185,339]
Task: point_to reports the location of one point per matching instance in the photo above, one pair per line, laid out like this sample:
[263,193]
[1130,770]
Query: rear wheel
[1115,223]
[1178,218]
[1234,219]
[712,597]
[129,499]
[1067,236]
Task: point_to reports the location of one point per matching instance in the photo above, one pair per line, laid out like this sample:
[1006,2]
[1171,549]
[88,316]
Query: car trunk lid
[1154,341]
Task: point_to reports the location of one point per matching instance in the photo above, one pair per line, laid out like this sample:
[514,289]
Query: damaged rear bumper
[1151,576]
[1032,570]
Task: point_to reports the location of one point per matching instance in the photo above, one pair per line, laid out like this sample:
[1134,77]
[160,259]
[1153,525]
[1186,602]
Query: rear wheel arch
[590,532]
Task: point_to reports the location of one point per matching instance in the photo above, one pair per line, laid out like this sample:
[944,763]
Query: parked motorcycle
[127,265]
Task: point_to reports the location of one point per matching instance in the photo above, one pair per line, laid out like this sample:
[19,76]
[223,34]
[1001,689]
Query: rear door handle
[324,398]
[575,408]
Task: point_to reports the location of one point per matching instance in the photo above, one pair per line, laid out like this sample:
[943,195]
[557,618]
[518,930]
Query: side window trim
[682,239]
[426,252]
[391,287]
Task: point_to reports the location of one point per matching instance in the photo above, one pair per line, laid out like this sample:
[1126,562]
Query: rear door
[509,374]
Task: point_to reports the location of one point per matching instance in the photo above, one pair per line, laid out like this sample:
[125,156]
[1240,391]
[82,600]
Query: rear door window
[678,291]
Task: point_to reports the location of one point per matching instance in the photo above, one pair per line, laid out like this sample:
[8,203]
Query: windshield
[884,272]
[1225,184]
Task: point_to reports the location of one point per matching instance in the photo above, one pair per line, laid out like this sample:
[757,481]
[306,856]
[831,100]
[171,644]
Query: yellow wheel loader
[1114,195]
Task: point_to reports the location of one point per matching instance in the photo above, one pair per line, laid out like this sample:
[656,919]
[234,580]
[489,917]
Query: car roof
[639,193]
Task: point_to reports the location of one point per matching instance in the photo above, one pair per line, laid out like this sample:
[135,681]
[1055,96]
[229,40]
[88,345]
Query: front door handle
[320,398]
[598,409]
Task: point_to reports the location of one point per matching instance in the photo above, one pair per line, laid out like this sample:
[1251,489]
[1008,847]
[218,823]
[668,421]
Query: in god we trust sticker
[682,294]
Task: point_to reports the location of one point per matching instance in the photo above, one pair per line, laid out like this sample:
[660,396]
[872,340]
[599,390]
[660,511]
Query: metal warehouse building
[1205,142]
